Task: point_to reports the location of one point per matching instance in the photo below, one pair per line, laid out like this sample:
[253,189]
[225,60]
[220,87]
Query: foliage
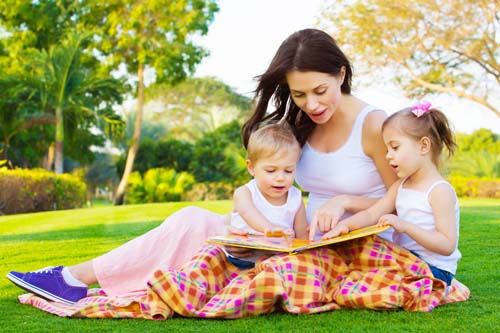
[218,157]
[75,93]
[213,154]
[169,153]
[475,187]
[158,185]
[154,34]
[478,155]
[158,34]
[63,86]
[150,128]
[20,111]
[480,140]
[42,23]
[101,173]
[429,46]
[69,237]
[49,50]
[210,191]
[196,106]
[38,190]
[476,164]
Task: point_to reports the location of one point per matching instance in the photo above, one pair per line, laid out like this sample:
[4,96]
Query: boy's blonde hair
[269,139]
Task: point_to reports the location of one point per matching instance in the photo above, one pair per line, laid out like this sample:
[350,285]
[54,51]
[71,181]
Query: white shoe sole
[35,290]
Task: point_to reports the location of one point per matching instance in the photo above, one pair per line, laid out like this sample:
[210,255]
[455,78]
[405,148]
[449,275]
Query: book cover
[294,245]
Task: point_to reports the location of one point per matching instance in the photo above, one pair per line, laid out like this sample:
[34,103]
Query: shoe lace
[45,270]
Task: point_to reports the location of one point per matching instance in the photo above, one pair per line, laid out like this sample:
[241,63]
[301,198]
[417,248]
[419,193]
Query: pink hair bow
[421,109]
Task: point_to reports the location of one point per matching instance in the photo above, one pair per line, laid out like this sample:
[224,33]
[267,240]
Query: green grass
[32,241]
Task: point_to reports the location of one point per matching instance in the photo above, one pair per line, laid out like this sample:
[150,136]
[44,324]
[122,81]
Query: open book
[279,244]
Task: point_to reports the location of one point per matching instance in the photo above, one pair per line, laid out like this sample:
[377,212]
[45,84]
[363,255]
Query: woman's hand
[339,229]
[326,217]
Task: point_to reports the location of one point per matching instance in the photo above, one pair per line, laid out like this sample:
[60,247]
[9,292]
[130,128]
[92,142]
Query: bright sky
[246,34]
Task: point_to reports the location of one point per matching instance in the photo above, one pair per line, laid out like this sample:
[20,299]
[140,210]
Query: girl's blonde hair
[269,139]
[432,124]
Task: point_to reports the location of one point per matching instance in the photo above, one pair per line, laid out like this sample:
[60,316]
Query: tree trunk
[134,146]
[59,151]
[3,149]
[48,159]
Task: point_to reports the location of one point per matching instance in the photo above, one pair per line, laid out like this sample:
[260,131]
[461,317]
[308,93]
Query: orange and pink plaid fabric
[368,273]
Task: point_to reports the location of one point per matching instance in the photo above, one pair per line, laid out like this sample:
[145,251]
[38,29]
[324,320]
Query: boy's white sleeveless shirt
[282,216]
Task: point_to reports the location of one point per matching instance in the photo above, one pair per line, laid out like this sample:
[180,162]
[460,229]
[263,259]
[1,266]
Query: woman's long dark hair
[305,50]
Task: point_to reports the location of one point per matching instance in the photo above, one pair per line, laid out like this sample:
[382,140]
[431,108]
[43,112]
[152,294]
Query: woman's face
[317,94]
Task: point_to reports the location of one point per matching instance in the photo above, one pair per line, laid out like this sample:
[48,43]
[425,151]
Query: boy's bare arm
[243,205]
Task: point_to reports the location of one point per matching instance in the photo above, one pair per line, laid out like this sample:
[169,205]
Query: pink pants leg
[170,245]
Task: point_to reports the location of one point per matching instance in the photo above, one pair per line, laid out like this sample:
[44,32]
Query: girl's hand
[326,217]
[391,220]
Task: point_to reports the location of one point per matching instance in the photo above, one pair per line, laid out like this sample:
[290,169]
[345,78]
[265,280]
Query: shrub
[35,190]
[476,187]
[210,191]
[158,185]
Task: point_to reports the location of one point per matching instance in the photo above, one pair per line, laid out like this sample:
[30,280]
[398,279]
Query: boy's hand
[236,231]
[278,232]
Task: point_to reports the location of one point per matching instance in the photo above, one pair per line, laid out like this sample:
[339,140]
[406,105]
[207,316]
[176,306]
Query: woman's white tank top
[348,170]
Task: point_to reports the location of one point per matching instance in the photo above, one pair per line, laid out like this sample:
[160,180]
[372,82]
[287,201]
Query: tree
[431,46]
[42,23]
[71,89]
[478,155]
[217,155]
[481,140]
[155,34]
[49,39]
[196,106]
[478,164]
[18,109]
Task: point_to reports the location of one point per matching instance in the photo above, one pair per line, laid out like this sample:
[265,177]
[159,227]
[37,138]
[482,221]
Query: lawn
[32,241]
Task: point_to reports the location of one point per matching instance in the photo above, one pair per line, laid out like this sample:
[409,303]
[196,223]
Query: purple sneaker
[48,283]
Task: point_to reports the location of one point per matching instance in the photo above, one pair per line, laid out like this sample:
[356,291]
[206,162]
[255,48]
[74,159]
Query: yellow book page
[295,245]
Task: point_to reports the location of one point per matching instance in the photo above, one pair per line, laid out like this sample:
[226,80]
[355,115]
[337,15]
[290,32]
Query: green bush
[476,187]
[210,191]
[158,185]
[36,190]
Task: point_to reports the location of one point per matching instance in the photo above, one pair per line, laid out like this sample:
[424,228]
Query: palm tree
[74,88]
[477,164]
[18,107]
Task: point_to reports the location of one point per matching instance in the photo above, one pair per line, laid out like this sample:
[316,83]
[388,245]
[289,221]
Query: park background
[75,90]
[128,105]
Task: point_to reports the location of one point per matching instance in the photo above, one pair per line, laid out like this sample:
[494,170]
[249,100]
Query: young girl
[268,202]
[427,219]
